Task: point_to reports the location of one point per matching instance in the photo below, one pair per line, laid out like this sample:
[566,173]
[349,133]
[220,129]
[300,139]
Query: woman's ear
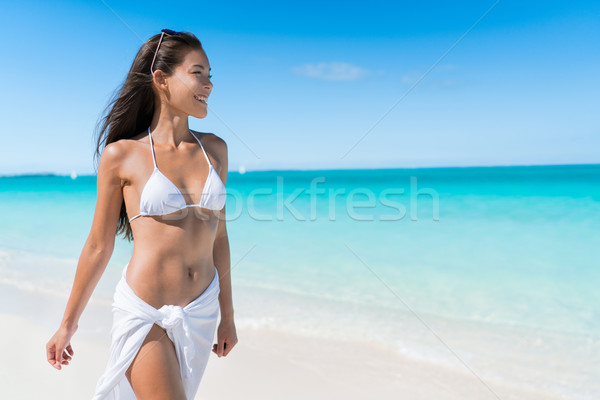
[160,80]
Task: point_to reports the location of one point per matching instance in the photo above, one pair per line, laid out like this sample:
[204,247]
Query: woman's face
[189,82]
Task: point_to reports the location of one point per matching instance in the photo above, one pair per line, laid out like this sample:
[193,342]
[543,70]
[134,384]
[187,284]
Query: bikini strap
[202,147]
[152,148]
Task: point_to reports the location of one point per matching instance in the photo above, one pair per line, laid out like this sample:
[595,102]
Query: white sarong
[191,329]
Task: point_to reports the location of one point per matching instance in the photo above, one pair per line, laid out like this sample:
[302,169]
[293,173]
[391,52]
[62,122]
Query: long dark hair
[131,108]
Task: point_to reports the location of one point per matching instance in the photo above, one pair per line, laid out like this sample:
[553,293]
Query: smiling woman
[167,303]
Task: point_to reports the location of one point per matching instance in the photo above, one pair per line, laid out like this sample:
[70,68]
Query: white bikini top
[160,196]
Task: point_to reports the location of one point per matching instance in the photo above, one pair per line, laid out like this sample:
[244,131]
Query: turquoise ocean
[494,268]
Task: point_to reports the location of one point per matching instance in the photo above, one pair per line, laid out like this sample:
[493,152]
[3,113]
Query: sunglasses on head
[164,31]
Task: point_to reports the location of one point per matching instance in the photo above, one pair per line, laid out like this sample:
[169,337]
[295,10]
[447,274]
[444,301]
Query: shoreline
[264,364]
[293,365]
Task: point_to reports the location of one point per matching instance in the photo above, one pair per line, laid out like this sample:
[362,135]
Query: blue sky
[298,85]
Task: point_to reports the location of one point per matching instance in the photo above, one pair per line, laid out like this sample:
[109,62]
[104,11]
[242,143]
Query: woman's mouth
[201,99]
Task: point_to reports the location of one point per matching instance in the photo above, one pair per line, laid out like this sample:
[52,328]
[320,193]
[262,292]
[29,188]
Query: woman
[167,302]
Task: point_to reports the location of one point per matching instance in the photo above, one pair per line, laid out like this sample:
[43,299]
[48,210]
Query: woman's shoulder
[116,149]
[212,142]
[126,150]
[214,145]
[209,137]
[126,155]
[125,146]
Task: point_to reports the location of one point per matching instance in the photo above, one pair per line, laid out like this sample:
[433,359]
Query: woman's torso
[172,261]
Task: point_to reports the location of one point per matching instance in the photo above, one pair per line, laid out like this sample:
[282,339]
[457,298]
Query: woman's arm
[226,333]
[222,258]
[96,252]
[100,243]
[221,254]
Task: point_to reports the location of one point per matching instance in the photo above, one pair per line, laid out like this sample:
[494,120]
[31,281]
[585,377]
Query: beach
[264,365]
[455,283]
[412,197]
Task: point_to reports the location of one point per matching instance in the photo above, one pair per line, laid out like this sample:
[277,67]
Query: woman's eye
[200,72]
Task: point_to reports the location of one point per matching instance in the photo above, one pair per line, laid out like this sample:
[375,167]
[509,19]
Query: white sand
[264,365]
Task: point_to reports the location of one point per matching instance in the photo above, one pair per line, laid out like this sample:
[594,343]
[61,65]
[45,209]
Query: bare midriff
[172,261]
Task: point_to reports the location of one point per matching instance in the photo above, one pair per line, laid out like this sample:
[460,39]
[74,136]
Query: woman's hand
[226,337]
[56,346]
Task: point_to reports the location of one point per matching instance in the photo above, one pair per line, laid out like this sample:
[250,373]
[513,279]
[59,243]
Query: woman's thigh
[154,372]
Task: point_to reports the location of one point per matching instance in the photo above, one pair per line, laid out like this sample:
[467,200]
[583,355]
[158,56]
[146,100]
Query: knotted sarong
[190,328]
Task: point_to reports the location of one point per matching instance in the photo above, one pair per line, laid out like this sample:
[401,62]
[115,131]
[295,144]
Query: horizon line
[47,173]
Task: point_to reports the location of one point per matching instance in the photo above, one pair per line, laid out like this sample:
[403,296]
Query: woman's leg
[154,372]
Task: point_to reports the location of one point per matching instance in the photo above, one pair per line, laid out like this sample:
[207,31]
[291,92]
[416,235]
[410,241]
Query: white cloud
[331,71]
